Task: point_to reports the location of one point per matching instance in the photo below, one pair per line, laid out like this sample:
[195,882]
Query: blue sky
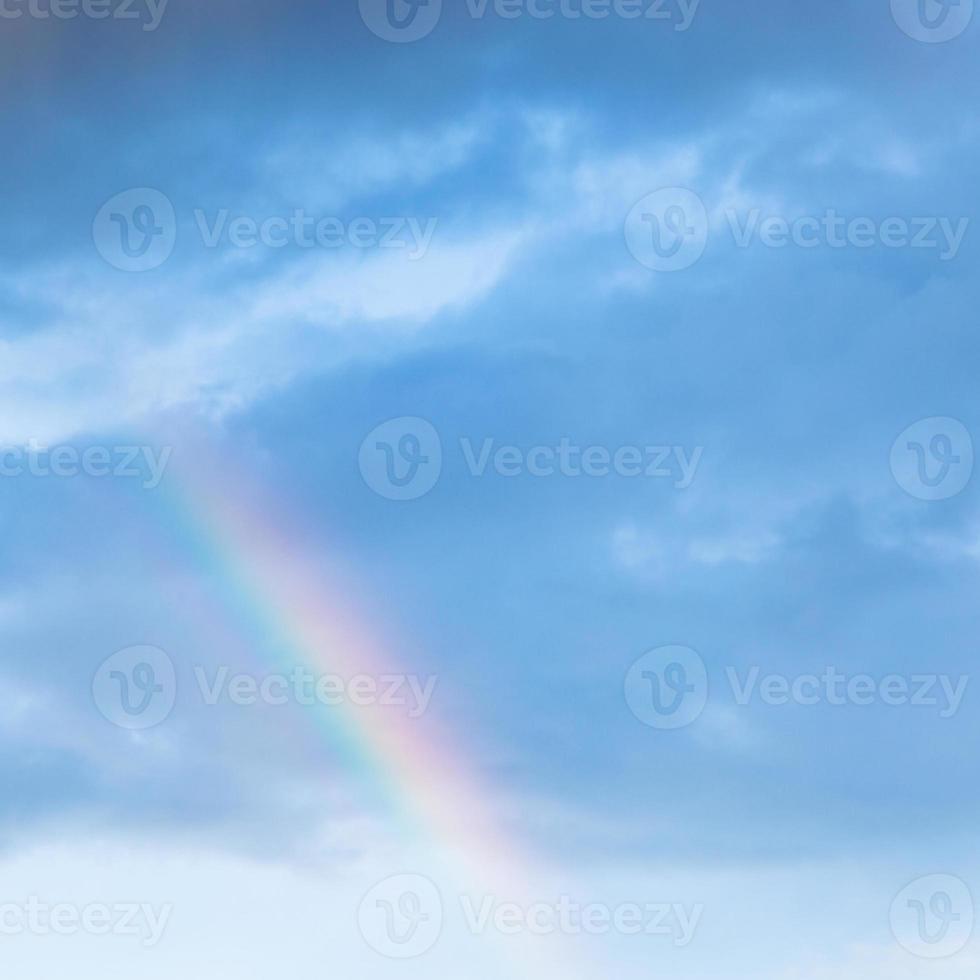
[507,157]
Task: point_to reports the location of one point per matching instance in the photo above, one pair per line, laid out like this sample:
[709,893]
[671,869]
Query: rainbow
[271,583]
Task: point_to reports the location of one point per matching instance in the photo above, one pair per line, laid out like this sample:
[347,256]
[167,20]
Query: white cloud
[234,916]
[115,359]
[388,286]
[662,550]
[119,349]
[330,173]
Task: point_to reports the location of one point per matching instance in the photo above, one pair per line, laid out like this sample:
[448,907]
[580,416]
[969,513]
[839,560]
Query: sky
[487,489]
